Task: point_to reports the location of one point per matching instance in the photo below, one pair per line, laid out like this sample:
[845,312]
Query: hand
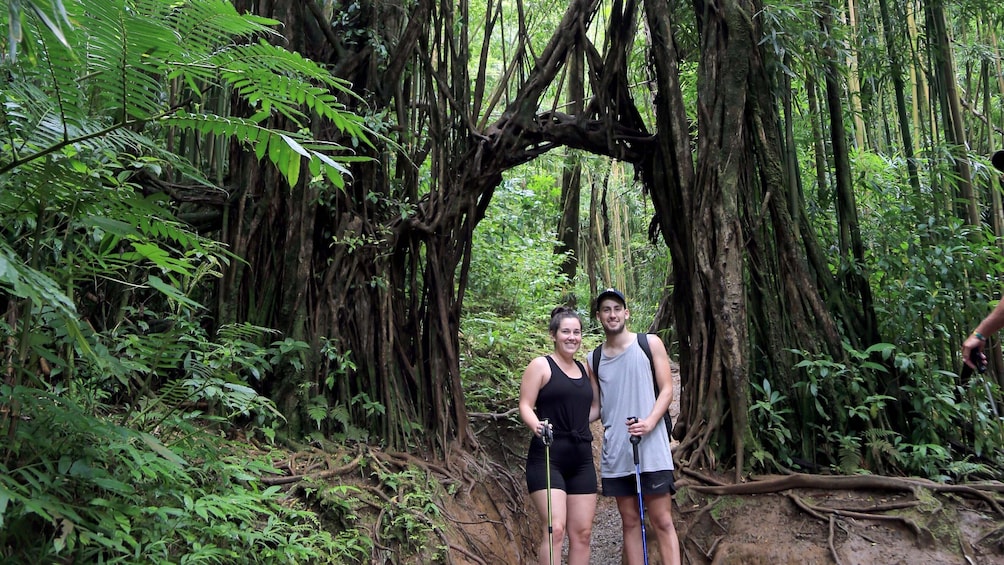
[545,431]
[638,427]
[972,352]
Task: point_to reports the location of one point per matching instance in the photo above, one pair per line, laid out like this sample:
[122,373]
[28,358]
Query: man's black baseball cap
[609,293]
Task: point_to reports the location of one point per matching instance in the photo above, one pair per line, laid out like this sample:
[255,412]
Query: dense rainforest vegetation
[237,227]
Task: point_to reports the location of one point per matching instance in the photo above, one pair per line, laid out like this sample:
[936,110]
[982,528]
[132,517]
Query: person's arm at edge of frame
[529,385]
[986,328]
[663,378]
[594,408]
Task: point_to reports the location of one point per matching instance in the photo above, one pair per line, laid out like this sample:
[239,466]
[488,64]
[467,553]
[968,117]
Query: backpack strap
[643,343]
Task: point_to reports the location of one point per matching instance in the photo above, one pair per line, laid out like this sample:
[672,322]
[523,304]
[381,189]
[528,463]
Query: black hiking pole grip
[546,432]
[979,360]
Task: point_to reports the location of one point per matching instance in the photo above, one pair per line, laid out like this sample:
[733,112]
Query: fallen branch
[882,507]
[967,550]
[703,478]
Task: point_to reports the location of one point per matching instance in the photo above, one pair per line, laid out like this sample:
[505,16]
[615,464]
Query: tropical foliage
[347,223]
[117,390]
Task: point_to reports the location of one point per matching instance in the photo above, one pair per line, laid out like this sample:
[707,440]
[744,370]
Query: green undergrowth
[390,509]
[78,487]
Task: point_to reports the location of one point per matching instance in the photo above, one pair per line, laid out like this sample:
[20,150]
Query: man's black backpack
[643,343]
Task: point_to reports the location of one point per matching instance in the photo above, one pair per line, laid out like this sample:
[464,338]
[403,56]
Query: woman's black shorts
[572,467]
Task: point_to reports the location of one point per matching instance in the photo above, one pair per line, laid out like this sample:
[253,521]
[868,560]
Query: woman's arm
[534,378]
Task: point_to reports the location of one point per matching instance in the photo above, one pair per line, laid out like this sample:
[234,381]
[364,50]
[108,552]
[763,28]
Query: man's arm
[664,380]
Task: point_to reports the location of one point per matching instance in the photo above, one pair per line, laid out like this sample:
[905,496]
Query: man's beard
[617,331]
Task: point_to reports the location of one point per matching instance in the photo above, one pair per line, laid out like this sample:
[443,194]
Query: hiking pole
[547,436]
[980,360]
[641,501]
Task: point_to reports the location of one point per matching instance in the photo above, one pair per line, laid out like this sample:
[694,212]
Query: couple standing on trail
[560,390]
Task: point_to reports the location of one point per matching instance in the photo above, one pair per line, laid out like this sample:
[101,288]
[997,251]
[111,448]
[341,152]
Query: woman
[556,388]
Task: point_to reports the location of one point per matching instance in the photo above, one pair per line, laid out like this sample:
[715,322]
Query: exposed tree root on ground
[779,483]
[848,511]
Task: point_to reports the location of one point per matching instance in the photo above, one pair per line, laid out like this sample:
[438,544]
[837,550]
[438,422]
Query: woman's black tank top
[565,402]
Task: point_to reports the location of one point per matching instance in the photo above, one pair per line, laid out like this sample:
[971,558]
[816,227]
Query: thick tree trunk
[741,279]
[699,214]
[670,177]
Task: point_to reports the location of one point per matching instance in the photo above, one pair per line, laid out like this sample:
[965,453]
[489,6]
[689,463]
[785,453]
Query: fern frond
[25,282]
[22,281]
[62,65]
[213,22]
[283,149]
[109,88]
[291,82]
[245,331]
[880,442]
[126,54]
[49,13]
[849,458]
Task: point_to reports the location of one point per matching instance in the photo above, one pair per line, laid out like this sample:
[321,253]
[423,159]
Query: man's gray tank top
[626,390]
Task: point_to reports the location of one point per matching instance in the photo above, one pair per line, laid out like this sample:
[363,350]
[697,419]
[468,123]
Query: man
[624,394]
